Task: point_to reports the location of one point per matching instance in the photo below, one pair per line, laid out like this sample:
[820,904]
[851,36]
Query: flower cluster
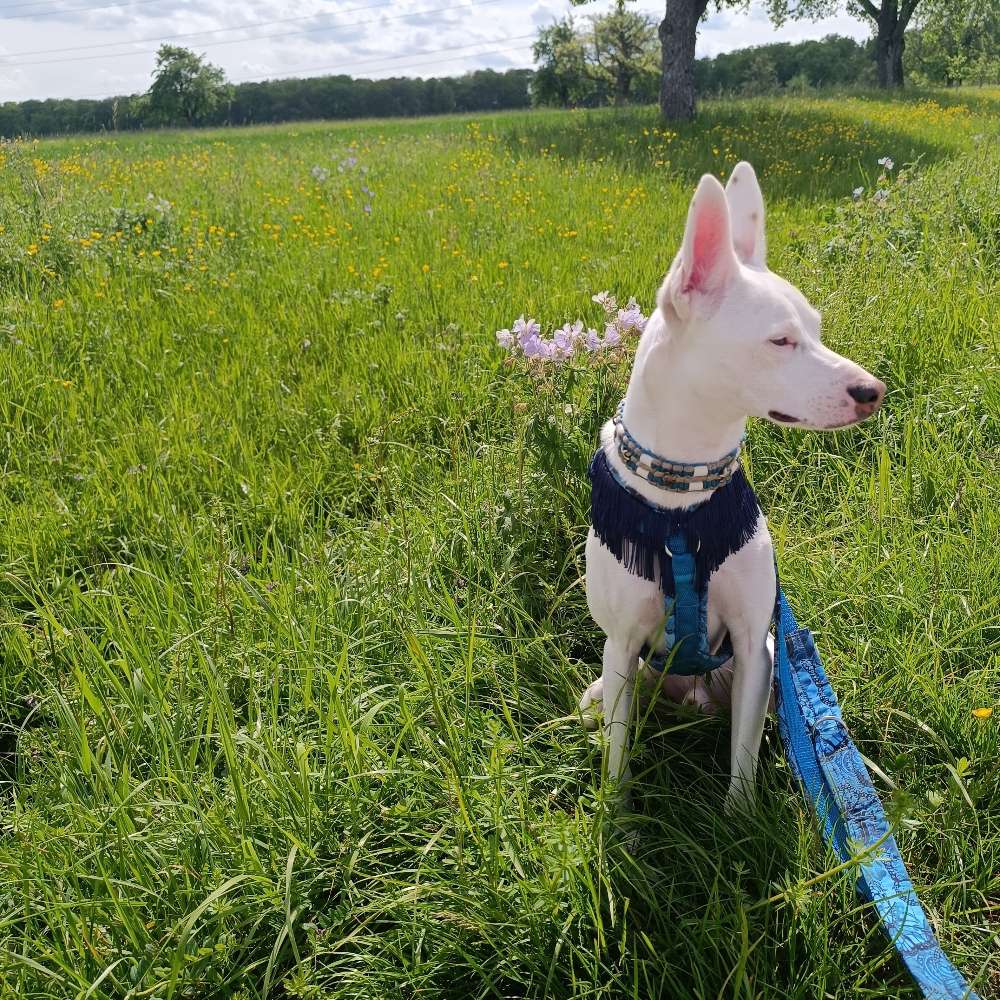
[321,175]
[525,338]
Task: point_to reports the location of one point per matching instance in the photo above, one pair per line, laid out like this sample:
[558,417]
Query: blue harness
[685,631]
[822,756]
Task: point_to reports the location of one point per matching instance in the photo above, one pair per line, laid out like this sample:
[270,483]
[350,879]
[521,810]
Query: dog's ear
[746,212]
[706,260]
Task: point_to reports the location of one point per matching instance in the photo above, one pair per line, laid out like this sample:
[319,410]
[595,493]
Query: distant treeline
[833,61]
[829,62]
[286,101]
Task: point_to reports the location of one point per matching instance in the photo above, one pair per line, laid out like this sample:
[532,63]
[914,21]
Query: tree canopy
[186,89]
[889,19]
[611,56]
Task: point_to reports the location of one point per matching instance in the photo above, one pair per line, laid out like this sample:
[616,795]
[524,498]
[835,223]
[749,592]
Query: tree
[186,89]
[762,75]
[889,18]
[561,77]
[678,36]
[612,55]
[622,48]
[957,41]
[678,33]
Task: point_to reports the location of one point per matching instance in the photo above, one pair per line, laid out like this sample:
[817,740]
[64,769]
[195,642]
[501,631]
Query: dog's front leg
[617,681]
[752,669]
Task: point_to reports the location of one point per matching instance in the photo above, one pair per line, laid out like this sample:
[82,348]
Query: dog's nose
[867,397]
[870,393]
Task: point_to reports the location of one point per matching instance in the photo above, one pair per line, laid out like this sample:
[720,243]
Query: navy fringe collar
[636,530]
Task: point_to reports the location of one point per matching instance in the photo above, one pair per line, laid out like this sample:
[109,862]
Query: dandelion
[982,713]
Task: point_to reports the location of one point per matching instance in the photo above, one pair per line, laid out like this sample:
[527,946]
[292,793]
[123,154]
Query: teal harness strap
[685,632]
[835,780]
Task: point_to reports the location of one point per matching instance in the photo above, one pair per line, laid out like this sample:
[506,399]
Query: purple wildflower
[568,337]
[631,318]
[606,301]
[533,347]
[525,330]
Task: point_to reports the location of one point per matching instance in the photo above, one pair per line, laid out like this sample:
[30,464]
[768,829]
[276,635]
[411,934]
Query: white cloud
[112,48]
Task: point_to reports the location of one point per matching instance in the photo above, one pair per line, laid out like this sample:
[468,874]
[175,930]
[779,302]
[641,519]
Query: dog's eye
[783,342]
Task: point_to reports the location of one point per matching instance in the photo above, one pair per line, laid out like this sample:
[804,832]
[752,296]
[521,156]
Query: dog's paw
[740,799]
[591,704]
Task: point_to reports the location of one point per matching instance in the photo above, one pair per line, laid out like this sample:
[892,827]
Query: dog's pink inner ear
[708,245]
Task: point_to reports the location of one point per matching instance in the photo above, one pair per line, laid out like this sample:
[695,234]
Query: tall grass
[292,616]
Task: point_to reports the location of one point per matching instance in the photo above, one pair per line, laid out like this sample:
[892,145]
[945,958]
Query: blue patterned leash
[836,781]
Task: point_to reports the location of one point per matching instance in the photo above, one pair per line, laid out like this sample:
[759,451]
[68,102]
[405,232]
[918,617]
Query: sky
[97,48]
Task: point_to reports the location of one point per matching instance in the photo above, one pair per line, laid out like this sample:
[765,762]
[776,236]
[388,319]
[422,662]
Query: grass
[291,620]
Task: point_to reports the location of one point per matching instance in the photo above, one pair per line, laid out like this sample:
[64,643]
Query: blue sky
[93,48]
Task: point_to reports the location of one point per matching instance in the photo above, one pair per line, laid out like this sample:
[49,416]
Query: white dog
[729,340]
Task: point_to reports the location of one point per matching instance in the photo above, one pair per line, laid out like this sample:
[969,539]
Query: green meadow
[292,624]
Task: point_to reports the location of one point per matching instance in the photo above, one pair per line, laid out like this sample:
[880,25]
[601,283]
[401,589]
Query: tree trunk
[623,86]
[889,43]
[678,34]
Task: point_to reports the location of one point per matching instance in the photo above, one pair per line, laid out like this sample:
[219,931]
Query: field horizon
[293,625]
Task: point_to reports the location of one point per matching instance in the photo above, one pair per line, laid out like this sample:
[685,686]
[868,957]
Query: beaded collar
[678,477]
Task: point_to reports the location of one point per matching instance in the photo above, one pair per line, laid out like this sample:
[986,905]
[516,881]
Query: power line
[425,52]
[191,34]
[384,60]
[75,10]
[433,62]
[259,38]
